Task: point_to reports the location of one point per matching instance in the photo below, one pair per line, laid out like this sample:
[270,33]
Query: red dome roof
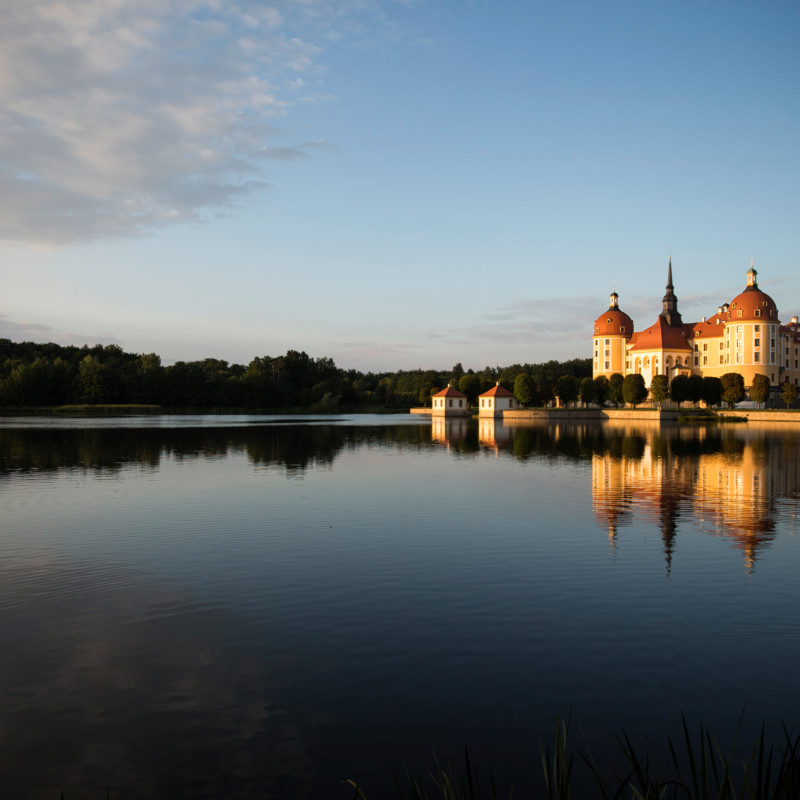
[750,301]
[613,323]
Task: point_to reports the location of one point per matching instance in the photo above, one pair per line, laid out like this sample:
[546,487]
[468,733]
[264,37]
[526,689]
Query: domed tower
[611,333]
[752,330]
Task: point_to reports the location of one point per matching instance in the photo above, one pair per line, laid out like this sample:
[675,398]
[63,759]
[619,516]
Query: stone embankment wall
[762,416]
[621,414]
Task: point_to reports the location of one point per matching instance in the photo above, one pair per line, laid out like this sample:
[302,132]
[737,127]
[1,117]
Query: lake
[267,606]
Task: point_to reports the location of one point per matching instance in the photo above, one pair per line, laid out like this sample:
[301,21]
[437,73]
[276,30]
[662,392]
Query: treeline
[34,374]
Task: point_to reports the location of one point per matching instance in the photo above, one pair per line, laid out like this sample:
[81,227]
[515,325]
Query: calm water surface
[267,606]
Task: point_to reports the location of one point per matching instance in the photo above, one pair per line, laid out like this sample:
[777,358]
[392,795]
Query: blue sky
[390,184]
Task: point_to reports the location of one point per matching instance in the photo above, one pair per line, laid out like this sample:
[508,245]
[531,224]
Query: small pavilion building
[449,403]
[495,401]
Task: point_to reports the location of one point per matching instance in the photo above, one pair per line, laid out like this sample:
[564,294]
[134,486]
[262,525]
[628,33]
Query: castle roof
[663,336]
[709,327]
[613,323]
[752,303]
[752,300]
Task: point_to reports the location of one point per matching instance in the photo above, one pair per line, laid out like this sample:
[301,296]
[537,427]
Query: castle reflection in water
[733,481]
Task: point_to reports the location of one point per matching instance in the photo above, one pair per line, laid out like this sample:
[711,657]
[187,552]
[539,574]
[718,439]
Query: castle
[744,336]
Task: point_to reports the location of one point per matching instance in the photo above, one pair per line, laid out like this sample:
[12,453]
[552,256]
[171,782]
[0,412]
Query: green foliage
[659,388]
[587,390]
[712,391]
[615,395]
[456,374]
[695,389]
[679,389]
[759,389]
[634,390]
[789,393]
[566,389]
[525,389]
[601,390]
[732,388]
[33,374]
[470,384]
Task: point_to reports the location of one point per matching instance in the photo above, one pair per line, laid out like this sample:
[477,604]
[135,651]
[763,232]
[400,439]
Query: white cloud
[121,116]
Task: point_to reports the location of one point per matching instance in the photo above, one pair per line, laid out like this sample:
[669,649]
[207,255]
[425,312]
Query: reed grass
[697,768]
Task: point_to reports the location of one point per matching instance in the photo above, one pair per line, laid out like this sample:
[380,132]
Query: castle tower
[611,332]
[670,303]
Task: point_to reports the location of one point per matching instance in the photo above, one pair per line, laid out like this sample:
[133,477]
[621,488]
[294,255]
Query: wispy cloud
[36,332]
[118,117]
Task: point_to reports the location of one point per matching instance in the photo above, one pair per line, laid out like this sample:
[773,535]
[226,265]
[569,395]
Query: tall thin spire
[670,302]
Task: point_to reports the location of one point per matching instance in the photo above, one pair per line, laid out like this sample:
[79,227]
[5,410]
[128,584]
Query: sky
[391,184]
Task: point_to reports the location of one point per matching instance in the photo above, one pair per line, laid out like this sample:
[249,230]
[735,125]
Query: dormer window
[622,329]
[758,312]
[608,321]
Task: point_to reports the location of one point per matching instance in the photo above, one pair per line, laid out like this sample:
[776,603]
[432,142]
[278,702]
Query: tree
[425,395]
[679,389]
[732,388]
[712,391]
[525,389]
[587,390]
[759,389]
[566,389]
[695,394]
[470,384]
[789,393]
[92,381]
[633,390]
[601,389]
[659,389]
[456,374]
[615,389]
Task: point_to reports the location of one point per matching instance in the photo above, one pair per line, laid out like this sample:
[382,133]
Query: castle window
[608,342]
[756,357]
[705,345]
[705,360]
[757,327]
[696,360]
[606,364]
[756,342]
